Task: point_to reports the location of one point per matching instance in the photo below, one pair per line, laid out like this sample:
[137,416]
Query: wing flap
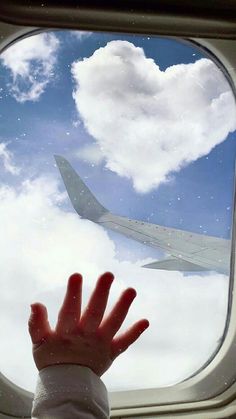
[175,265]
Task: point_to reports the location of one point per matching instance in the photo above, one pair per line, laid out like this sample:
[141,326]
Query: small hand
[86,339]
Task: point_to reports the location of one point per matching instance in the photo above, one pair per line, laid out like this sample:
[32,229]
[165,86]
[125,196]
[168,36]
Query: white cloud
[81,34]
[31,62]
[90,153]
[7,157]
[42,245]
[166,118]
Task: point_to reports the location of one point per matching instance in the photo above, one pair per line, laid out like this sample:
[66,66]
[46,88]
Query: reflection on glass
[142,184]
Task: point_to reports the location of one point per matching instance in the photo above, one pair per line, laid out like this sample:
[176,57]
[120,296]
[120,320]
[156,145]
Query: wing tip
[58,158]
[82,199]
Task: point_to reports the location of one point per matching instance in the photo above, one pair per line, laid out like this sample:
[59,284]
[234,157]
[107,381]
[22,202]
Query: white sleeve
[69,391]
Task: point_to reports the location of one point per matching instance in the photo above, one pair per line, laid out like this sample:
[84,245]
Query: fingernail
[111,275]
[74,279]
[107,277]
[133,291]
[33,309]
[147,324]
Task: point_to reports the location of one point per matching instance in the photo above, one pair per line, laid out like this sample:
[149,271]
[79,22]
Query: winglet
[83,201]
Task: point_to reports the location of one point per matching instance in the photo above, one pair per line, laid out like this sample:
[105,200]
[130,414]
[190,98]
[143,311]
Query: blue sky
[191,193]
[199,197]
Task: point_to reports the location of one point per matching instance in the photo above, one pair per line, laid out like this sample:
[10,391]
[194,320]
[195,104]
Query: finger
[114,320]
[69,314]
[96,307]
[39,327]
[124,340]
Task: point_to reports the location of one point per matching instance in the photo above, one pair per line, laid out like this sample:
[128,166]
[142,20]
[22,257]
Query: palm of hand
[86,340]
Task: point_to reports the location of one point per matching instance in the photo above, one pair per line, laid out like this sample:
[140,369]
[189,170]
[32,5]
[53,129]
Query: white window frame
[212,388]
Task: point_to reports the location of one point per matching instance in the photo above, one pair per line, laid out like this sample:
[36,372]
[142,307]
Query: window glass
[149,125]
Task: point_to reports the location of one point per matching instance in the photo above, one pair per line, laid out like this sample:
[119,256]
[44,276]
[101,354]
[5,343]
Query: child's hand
[85,339]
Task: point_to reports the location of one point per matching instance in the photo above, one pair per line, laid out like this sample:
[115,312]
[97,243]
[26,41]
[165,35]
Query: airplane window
[117,153]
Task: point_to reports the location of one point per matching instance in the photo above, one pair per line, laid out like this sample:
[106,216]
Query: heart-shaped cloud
[146,122]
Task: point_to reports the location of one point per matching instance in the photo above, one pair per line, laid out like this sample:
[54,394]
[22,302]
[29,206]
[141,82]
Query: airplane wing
[188,251]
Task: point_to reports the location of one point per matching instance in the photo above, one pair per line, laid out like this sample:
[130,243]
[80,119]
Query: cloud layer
[42,245]
[163,119]
[31,62]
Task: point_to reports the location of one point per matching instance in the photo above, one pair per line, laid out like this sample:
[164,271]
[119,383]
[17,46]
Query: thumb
[38,324]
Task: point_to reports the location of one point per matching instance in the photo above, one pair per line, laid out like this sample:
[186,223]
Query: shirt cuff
[70,386]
